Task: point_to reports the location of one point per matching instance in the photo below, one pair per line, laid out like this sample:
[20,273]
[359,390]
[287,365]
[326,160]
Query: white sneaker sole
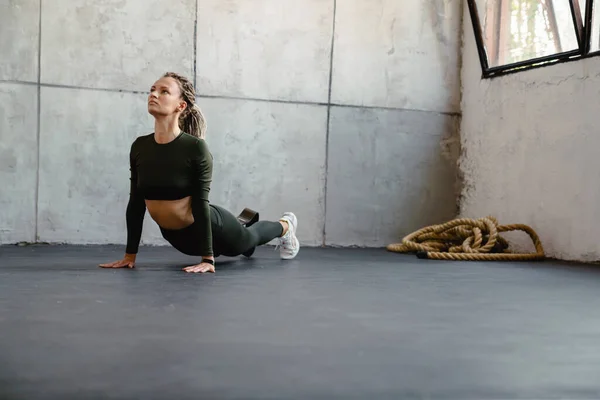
[293,224]
[296,251]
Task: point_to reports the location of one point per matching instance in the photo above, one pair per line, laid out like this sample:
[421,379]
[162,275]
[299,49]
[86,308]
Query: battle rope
[467,239]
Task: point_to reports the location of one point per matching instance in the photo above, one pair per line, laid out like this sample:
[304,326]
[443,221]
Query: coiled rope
[466,239]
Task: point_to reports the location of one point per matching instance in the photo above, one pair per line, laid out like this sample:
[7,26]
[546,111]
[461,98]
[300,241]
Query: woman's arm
[203,167]
[136,208]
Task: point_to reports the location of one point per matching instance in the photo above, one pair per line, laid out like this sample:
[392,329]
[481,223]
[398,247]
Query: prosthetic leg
[248,217]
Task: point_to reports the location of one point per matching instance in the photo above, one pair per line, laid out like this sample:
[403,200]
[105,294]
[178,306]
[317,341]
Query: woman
[171,173]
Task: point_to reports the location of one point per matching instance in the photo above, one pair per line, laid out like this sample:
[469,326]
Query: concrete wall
[530,152]
[345,112]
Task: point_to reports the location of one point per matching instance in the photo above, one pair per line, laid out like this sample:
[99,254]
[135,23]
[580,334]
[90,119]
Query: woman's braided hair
[191,120]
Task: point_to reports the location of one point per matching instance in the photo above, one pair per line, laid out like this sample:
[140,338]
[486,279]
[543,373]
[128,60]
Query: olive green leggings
[230,238]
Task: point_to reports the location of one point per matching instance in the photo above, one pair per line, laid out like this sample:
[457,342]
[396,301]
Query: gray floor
[333,323]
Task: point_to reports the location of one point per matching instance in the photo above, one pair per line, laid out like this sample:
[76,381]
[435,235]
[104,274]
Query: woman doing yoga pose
[171,173]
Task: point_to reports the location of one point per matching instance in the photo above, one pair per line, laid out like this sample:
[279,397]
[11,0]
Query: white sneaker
[290,246]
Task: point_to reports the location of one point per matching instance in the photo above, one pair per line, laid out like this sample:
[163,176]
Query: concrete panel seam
[309,103]
[416,110]
[195,43]
[257,99]
[59,86]
[18,82]
[39,126]
[327,127]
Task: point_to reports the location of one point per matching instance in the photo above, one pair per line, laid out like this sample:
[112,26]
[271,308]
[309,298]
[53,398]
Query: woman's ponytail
[192,119]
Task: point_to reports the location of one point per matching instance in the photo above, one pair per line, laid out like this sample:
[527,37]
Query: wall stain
[8,161]
[437,14]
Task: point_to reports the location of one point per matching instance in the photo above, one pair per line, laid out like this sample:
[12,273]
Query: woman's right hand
[128,261]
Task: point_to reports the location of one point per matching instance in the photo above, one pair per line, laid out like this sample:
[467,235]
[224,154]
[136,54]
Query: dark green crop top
[170,171]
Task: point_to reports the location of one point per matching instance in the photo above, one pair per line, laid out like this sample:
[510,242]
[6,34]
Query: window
[513,35]
[595,27]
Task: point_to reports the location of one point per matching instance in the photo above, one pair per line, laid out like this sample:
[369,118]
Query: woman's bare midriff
[171,214]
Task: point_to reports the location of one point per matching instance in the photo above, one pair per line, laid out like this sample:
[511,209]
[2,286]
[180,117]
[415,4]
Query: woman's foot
[290,246]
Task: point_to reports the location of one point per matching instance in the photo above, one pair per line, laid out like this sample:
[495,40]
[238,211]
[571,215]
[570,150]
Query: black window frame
[583,31]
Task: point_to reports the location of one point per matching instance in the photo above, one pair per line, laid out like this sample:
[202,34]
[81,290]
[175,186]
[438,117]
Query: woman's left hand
[200,268]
